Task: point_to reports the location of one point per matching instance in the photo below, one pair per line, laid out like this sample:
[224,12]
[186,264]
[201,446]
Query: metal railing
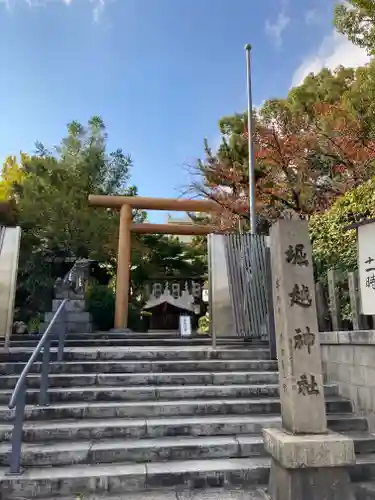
[18,399]
[2,236]
[247,271]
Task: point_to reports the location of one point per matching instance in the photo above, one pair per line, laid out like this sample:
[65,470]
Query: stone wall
[349,359]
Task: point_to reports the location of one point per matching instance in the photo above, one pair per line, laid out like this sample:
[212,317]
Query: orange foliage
[302,165]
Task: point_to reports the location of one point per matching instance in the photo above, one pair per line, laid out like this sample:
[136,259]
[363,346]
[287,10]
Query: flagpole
[253,225]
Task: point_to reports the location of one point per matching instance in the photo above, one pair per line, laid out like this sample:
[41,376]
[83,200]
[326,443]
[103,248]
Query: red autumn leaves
[302,163]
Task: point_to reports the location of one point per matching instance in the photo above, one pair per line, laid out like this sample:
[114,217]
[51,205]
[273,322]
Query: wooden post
[123,268]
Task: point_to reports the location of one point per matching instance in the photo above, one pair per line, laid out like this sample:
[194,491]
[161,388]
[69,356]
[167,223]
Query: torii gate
[125,204]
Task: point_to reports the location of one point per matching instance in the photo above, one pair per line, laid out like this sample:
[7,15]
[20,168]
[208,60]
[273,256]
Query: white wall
[8,278]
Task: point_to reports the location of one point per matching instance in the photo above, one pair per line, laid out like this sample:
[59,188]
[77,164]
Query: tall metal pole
[253,224]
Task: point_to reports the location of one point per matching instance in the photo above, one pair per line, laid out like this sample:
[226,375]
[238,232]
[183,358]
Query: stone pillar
[355,300]
[321,307]
[123,268]
[334,302]
[307,459]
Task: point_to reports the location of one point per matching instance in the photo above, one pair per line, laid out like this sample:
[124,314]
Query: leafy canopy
[50,192]
[356,20]
[310,148]
[334,247]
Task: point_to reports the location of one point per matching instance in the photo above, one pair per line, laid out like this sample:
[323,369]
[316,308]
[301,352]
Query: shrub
[204,323]
[138,320]
[100,303]
[333,247]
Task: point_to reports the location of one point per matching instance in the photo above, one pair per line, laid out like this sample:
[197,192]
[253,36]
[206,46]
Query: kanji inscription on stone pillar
[297,337]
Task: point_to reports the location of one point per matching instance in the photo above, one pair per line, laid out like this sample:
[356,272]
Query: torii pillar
[123,267]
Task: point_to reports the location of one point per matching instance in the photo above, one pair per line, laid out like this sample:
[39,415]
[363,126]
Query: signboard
[366,266]
[185,326]
[175,287]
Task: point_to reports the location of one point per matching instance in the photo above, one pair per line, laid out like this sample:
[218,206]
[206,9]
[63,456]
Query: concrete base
[306,450]
[325,483]
[120,330]
[309,467]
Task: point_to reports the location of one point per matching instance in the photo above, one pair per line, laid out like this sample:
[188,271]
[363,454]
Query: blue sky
[160,72]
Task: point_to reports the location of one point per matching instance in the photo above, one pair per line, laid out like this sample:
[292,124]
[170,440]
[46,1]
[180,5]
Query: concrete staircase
[153,416]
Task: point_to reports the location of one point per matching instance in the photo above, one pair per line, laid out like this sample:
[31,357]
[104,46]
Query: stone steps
[155,393]
[160,337]
[363,442]
[201,494]
[122,478]
[229,366]
[143,353]
[205,425]
[151,379]
[129,342]
[145,450]
[152,334]
[136,450]
[365,491]
[177,407]
[130,419]
[42,482]
[364,468]
[107,335]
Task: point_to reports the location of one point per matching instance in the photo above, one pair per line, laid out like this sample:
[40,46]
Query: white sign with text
[185,326]
[366,266]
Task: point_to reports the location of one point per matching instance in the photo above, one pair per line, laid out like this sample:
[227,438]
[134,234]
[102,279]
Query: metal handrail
[18,399]
[2,236]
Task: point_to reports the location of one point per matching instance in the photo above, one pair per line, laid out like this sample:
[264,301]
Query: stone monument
[308,461]
[71,287]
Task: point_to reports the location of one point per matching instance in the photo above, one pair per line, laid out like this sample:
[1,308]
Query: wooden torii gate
[125,204]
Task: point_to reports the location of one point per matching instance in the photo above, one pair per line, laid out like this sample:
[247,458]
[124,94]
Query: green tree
[327,86]
[333,247]
[353,89]
[156,255]
[12,175]
[356,20]
[359,99]
[50,191]
[53,210]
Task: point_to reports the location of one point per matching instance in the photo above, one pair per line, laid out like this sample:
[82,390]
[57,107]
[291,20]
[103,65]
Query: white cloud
[312,16]
[335,50]
[275,30]
[97,6]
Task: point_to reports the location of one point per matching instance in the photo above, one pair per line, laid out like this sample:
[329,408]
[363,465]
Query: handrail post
[44,374]
[18,399]
[62,333]
[15,455]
